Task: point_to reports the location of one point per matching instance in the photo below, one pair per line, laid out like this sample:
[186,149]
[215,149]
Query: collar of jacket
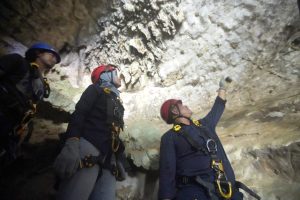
[177,127]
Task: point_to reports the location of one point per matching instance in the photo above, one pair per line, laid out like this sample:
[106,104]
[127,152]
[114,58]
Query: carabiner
[224,192]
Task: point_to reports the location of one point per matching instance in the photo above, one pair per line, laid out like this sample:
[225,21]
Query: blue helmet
[42,46]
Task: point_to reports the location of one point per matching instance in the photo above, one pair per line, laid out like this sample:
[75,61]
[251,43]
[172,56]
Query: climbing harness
[221,184]
[115,131]
[19,131]
[115,112]
[39,83]
[117,168]
[90,160]
[47,89]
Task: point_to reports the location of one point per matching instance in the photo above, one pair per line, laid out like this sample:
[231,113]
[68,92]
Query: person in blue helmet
[22,86]
[92,158]
[193,163]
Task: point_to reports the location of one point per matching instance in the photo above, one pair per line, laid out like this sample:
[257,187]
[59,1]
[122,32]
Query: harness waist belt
[242,186]
[210,187]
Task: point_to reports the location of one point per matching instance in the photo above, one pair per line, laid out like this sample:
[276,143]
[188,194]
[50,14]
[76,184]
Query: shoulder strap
[114,107]
[193,143]
[204,130]
[210,141]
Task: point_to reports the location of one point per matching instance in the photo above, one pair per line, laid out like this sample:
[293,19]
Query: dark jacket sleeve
[167,167]
[12,64]
[82,108]
[214,115]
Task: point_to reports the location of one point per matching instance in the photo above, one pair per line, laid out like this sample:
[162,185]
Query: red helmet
[165,109]
[101,69]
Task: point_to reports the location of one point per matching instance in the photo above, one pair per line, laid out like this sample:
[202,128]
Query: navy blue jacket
[16,73]
[178,158]
[13,67]
[89,120]
[20,84]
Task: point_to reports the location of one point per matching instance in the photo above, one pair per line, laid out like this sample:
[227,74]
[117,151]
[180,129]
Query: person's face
[47,59]
[117,78]
[184,110]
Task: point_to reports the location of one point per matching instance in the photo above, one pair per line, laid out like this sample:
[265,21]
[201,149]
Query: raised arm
[214,115]
[223,85]
[222,94]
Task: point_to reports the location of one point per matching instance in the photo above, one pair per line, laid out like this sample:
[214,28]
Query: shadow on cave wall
[47,111]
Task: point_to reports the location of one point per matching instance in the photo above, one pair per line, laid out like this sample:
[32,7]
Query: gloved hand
[67,162]
[224,83]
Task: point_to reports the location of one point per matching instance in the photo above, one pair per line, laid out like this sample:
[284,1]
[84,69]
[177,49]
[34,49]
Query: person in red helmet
[91,160]
[22,86]
[193,163]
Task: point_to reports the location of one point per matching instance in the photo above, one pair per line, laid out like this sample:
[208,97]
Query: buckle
[185,180]
[211,146]
[217,165]
[89,161]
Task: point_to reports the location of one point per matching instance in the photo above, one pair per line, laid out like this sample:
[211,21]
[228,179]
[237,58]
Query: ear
[175,110]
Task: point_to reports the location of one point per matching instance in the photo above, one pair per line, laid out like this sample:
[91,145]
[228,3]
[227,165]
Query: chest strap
[222,185]
[194,144]
[211,145]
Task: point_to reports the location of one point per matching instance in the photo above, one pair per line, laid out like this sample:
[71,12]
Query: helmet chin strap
[180,115]
[112,78]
